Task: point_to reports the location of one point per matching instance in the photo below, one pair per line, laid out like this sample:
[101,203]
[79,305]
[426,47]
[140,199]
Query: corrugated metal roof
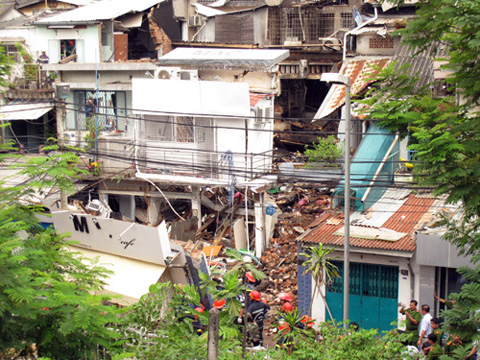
[405,219]
[421,63]
[379,213]
[358,70]
[101,10]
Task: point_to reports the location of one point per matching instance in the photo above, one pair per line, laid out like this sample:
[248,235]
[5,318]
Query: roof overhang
[224,57]
[358,70]
[28,111]
[99,11]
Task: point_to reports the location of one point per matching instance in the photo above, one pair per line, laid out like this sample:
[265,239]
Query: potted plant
[322,161]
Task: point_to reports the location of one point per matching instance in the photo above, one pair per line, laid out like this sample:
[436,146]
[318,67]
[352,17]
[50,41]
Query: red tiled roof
[404,220]
[360,72]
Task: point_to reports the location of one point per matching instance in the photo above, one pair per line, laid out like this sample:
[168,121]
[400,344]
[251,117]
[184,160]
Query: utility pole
[345,80]
[213,328]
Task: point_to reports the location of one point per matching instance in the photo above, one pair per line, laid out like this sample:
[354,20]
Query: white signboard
[190,97]
[131,240]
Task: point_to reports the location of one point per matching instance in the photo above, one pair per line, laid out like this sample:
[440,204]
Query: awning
[24,111]
[131,278]
[359,71]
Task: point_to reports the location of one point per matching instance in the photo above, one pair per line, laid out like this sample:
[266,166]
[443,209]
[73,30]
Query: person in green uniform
[413,318]
[435,350]
[435,322]
[451,345]
[448,303]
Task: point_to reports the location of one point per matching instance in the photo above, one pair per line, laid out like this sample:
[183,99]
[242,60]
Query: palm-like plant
[320,266]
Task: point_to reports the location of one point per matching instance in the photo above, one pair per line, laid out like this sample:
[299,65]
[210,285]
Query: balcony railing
[203,163]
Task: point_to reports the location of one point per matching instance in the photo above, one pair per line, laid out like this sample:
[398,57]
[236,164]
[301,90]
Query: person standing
[413,318]
[425,327]
[435,324]
[43,59]
[257,310]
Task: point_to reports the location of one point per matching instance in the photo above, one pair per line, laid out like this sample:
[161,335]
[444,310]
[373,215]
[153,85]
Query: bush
[326,151]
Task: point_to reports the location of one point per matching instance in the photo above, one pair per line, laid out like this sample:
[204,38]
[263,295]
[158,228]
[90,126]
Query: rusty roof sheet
[404,220]
[358,70]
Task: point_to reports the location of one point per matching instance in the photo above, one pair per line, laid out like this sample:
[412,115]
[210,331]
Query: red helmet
[307,320]
[255,295]
[287,307]
[199,309]
[285,296]
[250,276]
[218,304]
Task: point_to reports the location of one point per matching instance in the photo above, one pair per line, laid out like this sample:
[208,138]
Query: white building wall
[231,138]
[260,138]
[88,42]
[404,281]
[363,46]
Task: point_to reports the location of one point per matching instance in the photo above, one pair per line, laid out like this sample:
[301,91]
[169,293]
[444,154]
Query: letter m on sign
[80,225]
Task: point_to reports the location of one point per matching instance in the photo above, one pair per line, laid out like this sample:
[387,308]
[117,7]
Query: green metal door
[373,295]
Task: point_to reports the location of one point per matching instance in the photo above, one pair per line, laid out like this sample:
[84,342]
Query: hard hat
[307,320]
[287,307]
[283,325]
[199,309]
[250,276]
[218,304]
[285,296]
[255,295]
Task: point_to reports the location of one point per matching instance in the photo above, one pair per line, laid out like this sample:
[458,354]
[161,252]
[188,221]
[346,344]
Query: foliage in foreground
[160,326]
[46,291]
[464,316]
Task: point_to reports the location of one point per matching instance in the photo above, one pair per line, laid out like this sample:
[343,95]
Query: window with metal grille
[184,129]
[381,43]
[305,24]
[347,20]
[106,108]
[11,51]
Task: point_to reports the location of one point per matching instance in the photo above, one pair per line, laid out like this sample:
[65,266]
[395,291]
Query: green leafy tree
[464,316]
[444,132]
[46,291]
[319,265]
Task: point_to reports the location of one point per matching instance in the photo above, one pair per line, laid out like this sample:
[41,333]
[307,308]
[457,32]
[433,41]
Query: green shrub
[326,150]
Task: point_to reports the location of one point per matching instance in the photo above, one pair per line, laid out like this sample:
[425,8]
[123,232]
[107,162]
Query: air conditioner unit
[331,43]
[176,74]
[166,73]
[263,115]
[196,21]
[70,138]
